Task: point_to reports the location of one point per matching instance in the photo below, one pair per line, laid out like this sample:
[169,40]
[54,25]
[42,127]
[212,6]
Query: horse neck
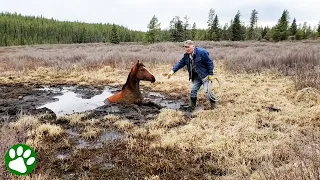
[133,84]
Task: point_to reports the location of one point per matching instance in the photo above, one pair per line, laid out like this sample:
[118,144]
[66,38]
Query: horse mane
[130,91]
[136,65]
[125,85]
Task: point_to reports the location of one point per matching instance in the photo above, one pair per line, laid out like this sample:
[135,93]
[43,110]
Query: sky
[136,14]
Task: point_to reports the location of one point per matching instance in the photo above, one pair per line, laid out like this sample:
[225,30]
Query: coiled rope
[215,89]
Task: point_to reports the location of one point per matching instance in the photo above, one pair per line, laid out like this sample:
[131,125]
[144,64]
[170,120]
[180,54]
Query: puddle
[70,102]
[163,101]
[108,135]
[72,133]
[111,136]
[75,100]
[103,164]
[80,143]
[63,156]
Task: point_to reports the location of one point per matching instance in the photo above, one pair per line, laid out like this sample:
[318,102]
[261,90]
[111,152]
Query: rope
[214,95]
[215,92]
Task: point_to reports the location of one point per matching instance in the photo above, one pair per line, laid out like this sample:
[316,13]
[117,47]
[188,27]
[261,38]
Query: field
[266,125]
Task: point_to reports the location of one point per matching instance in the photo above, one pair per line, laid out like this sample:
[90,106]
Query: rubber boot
[193,103]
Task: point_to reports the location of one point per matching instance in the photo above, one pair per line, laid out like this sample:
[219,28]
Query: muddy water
[108,136]
[57,100]
[17,99]
[75,152]
[105,137]
[70,101]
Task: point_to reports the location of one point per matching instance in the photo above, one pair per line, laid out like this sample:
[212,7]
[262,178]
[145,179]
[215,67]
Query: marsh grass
[305,162]
[299,60]
[242,139]
[9,136]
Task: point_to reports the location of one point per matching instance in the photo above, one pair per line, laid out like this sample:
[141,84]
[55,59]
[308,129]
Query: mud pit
[59,100]
[74,152]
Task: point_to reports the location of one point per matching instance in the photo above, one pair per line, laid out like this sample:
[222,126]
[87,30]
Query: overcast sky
[136,14]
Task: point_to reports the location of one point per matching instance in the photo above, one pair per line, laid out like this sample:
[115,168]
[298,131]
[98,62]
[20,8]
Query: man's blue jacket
[203,63]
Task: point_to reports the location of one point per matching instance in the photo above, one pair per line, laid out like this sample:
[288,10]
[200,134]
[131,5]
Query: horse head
[142,73]
[130,92]
[139,72]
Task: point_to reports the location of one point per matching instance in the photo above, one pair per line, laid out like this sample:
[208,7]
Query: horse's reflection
[130,93]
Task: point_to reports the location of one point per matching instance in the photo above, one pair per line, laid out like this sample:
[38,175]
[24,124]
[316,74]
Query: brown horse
[130,93]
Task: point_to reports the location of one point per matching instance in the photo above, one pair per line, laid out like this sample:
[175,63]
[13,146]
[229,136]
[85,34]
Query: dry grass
[25,122]
[34,177]
[78,63]
[90,132]
[48,130]
[41,135]
[123,125]
[242,139]
[8,137]
[305,153]
[74,119]
[29,130]
[112,118]
[167,119]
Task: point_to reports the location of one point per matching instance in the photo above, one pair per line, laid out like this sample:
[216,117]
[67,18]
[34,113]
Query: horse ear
[138,62]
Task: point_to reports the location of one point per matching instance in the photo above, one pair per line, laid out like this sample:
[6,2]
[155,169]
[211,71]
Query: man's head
[188,46]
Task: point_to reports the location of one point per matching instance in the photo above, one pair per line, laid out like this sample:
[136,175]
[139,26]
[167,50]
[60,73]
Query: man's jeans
[196,84]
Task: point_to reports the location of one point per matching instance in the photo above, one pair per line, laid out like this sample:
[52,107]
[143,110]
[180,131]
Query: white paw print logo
[20,159]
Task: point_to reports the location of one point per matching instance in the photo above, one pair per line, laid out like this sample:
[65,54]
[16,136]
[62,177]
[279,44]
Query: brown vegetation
[300,60]
[243,139]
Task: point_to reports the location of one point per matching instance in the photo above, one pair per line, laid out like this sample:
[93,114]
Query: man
[200,68]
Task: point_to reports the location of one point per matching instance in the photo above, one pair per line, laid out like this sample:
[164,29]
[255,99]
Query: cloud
[135,14]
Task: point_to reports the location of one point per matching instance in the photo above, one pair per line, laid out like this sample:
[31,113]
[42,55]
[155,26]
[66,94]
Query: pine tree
[253,25]
[319,28]
[299,34]
[293,27]
[281,29]
[194,31]
[215,27]
[114,35]
[210,24]
[176,29]
[308,32]
[264,32]
[224,32]
[165,35]
[304,30]
[186,28]
[237,30]
[153,35]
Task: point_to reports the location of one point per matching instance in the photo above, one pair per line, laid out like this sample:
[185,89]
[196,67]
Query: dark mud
[19,99]
[111,154]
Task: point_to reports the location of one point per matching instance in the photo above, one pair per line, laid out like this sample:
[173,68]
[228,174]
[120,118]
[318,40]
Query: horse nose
[153,79]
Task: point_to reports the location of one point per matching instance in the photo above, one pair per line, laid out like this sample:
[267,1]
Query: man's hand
[170,74]
[211,78]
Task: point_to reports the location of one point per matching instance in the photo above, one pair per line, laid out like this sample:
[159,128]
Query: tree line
[16,29]
[235,30]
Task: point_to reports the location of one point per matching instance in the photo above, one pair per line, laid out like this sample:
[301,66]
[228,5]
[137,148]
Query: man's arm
[209,62]
[179,65]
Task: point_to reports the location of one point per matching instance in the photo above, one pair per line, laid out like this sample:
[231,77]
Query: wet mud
[17,99]
[59,100]
[109,153]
